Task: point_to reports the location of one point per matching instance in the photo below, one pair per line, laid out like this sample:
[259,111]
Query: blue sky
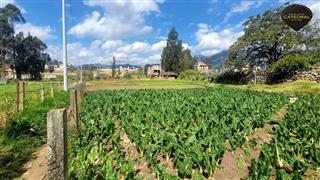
[134,31]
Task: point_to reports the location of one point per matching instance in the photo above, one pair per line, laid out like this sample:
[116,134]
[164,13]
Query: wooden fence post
[78,93]
[73,106]
[57,144]
[59,85]
[41,92]
[20,96]
[52,90]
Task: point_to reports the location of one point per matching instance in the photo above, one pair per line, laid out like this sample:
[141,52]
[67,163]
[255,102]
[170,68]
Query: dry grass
[296,87]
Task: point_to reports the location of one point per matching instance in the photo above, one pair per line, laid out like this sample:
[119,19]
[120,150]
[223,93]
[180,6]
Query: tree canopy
[113,67]
[174,57]
[24,54]
[172,53]
[267,38]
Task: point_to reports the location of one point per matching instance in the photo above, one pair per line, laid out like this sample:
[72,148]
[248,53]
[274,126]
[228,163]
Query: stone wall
[313,74]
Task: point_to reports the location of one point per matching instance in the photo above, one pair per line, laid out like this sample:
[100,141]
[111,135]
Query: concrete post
[41,92]
[73,106]
[52,90]
[57,144]
[20,96]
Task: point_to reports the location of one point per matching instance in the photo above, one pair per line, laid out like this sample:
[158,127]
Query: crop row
[296,145]
[188,127]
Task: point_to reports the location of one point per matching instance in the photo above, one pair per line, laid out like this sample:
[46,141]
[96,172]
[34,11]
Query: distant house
[154,71]
[8,73]
[201,66]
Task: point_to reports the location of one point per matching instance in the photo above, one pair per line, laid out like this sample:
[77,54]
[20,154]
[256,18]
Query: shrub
[192,75]
[286,67]
[127,75]
[232,76]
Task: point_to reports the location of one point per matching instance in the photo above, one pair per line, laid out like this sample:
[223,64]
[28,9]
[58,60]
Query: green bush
[127,76]
[192,75]
[286,67]
[231,76]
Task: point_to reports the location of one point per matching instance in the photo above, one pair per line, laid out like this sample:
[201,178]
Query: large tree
[113,67]
[9,15]
[267,38]
[172,53]
[30,57]
[187,61]
[23,54]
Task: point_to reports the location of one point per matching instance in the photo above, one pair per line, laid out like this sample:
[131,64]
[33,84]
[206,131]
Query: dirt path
[37,167]
[97,88]
[235,164]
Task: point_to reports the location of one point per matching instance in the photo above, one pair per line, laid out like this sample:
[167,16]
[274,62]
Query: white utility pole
[64,48]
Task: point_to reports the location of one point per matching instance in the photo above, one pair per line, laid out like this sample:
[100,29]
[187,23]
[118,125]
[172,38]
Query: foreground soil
[38,166]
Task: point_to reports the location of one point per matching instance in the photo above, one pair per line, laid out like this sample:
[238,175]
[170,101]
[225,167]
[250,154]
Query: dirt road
[97,88]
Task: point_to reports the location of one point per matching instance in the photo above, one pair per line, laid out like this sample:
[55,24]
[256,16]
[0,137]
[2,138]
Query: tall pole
[64,48]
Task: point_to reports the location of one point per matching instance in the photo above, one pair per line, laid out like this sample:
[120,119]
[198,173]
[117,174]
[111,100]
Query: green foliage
[296,145]
[145,70]
[51,68]
[193,75]
[30,57]
[87,74]
[113,67]
[24,133]
[128,75]
[172,53]
[232,76]
[187,61]
[187,126]
[267,39]
[24,54]
[287,67]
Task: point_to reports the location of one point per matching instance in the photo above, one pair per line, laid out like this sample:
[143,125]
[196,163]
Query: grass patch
[25,132]
[296,87]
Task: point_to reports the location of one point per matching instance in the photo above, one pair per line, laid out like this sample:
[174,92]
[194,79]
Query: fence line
[57,134]
[20,96]
[17,97]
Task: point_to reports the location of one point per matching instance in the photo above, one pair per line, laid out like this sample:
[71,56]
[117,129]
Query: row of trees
[23,54]
[174,57]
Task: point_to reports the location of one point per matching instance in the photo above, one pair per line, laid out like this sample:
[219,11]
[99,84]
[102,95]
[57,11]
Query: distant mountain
[215,60]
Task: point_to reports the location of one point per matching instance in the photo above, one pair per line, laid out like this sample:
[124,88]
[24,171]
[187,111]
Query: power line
[75,35]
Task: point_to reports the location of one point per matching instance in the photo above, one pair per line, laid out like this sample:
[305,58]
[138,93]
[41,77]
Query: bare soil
[36,169]
[132,154]
[170,168]
[236,163]
[97,88]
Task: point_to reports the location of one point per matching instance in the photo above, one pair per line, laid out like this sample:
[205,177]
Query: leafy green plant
[287,67]
[296,146]
[189,127]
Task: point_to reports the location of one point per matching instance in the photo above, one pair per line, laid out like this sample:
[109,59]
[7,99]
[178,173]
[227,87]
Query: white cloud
[314,7]
[121,19]
[243,7]
[139,53]
[42,32]
[211,42]
[112,44]
[5,2]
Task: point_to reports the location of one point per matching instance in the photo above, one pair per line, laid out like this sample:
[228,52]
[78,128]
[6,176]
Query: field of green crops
[188,127]
[295,150]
